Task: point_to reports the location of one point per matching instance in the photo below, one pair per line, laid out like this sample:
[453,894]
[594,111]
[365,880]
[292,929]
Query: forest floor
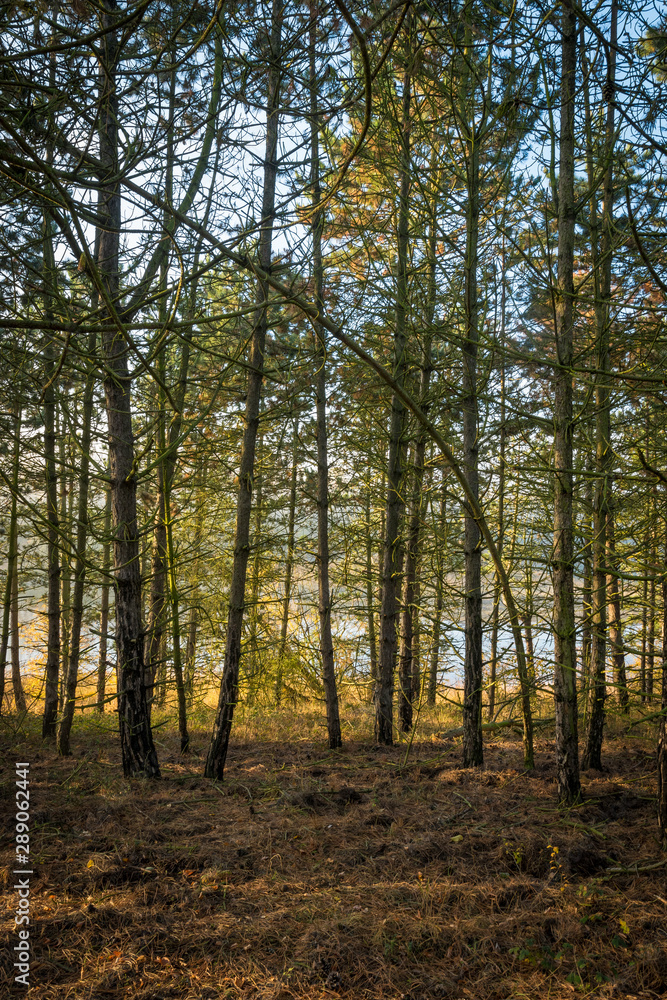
[369,872]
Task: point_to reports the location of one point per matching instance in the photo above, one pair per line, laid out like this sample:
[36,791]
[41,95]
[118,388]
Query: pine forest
[333,499]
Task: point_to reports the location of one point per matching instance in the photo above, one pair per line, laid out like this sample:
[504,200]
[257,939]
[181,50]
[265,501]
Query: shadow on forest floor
[310,874]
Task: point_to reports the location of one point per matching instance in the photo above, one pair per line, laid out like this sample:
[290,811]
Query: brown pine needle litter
[353,874]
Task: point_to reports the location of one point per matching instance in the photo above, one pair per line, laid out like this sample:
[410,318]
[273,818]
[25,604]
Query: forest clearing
[367,872]
[333,510]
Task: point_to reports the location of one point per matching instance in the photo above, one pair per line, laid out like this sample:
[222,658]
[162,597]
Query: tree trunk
[497,589]
[136,739]
[439,604]
[473,681]
[50,471]
[650,645]
[410,600]
[408,661]
[176,626]
[384,689]
[592,757]
[19,697]
[614,612]
[370,609]
[66,511]
[72,666]
[157,603]
[256,566]
[12,556]
[326,640]
[289,564]
[565,665]
[217,753]
[103,662]
[191,645]
[587,590]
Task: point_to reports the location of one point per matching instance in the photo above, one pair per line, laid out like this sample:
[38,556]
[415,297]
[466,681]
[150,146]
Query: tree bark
[12,555]
[136,738]
[370,608]
[217,753]
[50,471]
[565,665]
[175,624]
[592,756]
[501,498]
[614,613]
[157,602]
[252,668]
[19,696]
[384,689]
[587,590]
[408,660]
[326,639]
[103,662]
[191,645]
[439,604]
[66,511]
[650,645]
[289,563]
[72,666]
[473,681]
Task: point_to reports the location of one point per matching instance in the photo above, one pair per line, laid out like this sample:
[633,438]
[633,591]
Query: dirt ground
[364,873]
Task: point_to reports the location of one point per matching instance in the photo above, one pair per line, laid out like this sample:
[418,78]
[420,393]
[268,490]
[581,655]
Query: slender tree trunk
[12,554]
[435,646]
[289,564]
[392,556]
[176,625]
[614,612]
[66,510]
[592,757]
[528,621]
[439,604]
[157,603]
[217,753]
[103,662]
[650,650]
[644,599]
[380,577]
[50,471]
[493,660]
[497,589]
[72,673]
[565,666]
[256,566]
[191,652]
[155,666]
[19,697]
[648,589]
[326,639]
[51,476]
[587,590]
[191,646]
[408,662]
[473,681]
[370,610]
[136,738]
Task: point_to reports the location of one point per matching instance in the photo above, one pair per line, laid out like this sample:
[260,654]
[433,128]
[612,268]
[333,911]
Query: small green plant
[515,852]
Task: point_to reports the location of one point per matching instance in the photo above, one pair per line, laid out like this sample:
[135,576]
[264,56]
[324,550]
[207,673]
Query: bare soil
[365,873]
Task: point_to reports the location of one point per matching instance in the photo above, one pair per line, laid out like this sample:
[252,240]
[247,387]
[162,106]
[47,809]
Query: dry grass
[365,873]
